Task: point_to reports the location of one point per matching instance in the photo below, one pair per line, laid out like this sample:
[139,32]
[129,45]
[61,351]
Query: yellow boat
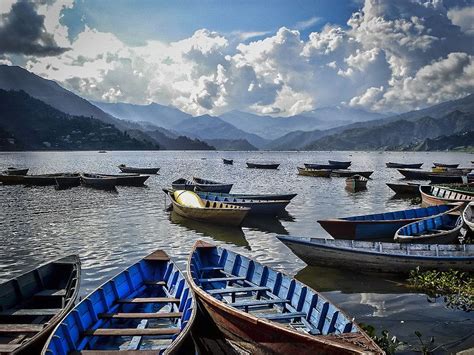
[188,204]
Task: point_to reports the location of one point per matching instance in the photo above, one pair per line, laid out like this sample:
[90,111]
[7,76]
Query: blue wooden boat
[261,207]
[211,186]
[32,304]
[262,165]
[340,164]
[268,312]
[397,258]
[183,184]
[148,306]
[441,229]
[380,225]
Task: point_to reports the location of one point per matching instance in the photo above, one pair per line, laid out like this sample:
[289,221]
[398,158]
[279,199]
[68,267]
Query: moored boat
[211,186]
[349,173]
[274,197]
[403,166]
[356,183]
[188,204]
[468,216]
[98,181]
[266,311]
[441,229]
[183,184]
[340,164]
[15,171]
[67,181]
[43,180]
[442,165]
[380,225]
[228,161]
[262,165]
[314,172]
[319,166]
[414,174]
[128,179]
[446,179]
[134,170]
[32,304]
[405,189]
[435,195]
[398,258]
[260,207]
[12,179]
[147,308]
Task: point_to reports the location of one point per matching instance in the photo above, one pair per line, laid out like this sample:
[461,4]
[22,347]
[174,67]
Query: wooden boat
[131,170]
[262,165]
[15,171]
[405,189]
[102,151]
[43,180]
[12,179]
[314,172]
[380,225]
[446,179]
[128,179]
[67,181]
[32,304]
[211,186]
[98,181]
[188,204]
[268,312]
[413,174]
[403,166]
[147,308]
[349,173]
[319,166]
[441,229]
[468,216]
[356,183]
[399,258]
[340,164]
[183,184]
[467,189]
[266,197]
[228,161]
[441,165]
[260,207]
[435,195]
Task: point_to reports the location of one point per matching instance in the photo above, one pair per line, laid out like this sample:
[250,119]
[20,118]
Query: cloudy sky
[267,57]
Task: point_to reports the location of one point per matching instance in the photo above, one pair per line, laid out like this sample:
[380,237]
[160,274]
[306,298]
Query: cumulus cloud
[22,31]
[464,18]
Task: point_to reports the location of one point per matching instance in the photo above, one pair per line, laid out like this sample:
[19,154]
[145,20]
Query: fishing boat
[147,308]
[133,170]
[314,172]
[414,174]
[129,179]
[397,258]
[468,216]
[441,229]
[260,207]
[380,225]
[67,181]
[266,197]
[15,171]
[340,164]
[183,184]
[32,304]
[268,312]
[349,173]
[442,165]
[435,195]
[98,181]
[319,166]
[188,204]
[405,189]
[211,186]
[356,183]
[228,161]
[12,179]
[251,165]
[403,166]
[43,180]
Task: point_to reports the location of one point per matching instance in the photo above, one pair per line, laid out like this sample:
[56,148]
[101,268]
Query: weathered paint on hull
[230,217]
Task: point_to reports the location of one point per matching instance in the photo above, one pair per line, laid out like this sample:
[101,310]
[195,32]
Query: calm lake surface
[110,231]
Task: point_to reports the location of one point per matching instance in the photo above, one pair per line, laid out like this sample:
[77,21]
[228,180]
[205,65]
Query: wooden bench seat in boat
[33,312]
[20,328]
[281,316]
[220,279]
[221,291]
[140,315]
[132,331]
[211,268]
[149,300]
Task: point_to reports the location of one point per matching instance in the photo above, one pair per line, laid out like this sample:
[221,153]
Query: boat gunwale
[429,196]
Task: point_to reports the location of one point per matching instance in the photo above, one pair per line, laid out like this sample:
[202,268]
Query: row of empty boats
[150,308]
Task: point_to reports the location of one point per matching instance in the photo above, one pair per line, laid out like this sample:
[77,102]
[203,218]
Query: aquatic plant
[388,344]
[456,287]
[425,348]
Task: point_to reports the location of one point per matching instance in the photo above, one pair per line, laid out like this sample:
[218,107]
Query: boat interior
[405,214]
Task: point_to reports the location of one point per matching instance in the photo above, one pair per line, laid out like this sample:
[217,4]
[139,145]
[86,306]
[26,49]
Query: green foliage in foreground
[456,287]
[388,344]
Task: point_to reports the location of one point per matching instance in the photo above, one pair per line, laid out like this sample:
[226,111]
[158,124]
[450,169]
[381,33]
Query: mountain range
[320,129]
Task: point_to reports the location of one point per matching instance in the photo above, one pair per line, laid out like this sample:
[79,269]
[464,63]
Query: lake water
[110,231]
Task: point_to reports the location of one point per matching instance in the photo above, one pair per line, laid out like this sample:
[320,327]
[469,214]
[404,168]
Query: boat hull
[13,171]
[228,161]
[403,166]
[362,230]
[99,182]
[262,166]
[41,180]
[338,254]
[446,179]
[314,172]
[129,180]
[262,197]
[405,189]
[468,216]
[132,170]
[350,173]
[431,196]
[340,164]
[12,179]
[441,165]
[411,174]
[65,182]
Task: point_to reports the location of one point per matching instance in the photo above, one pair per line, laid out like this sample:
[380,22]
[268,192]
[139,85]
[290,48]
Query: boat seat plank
[141,315]
[281,316]
[50,293]
[132,331]
[154,283]
[8,348]
[220,279]
[220,291]
[149,300]
[20,328]
[115,352]
[31,312]
[211,268]
[254,303]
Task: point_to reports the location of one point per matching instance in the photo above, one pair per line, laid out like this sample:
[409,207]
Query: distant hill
[159,115]
[208,127]
[461,142]
[179,142]
[231,144]
[34,125]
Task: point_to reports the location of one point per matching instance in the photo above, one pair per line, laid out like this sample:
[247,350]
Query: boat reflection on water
[267,224]
[226,234]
